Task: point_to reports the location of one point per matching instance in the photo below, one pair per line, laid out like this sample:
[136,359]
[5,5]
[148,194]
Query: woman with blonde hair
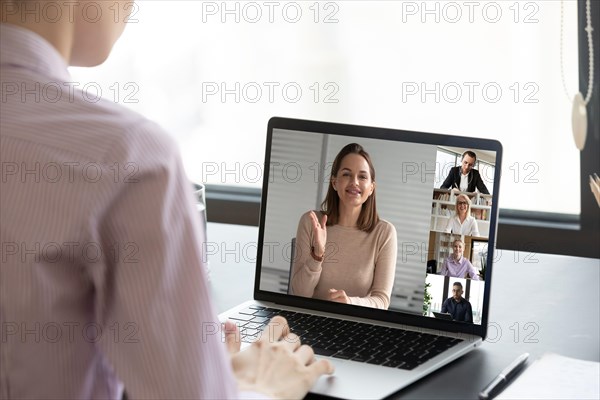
[462,223]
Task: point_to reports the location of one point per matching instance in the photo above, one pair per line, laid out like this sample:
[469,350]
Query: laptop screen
[408,219]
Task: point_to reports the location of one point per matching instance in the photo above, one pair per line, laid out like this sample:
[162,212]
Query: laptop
[442,315]
[383,334]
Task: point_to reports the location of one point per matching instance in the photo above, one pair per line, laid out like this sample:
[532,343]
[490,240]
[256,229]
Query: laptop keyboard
[349,340]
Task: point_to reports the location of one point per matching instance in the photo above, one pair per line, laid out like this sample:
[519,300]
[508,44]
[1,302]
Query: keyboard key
[392,363]
[310,342]
[243,317]
[287,314]
[239,323]
[263,313]
[323,352]
[258,320]
[368,353]
[443,345]
[388,354]
[249,339]
[343,355]
[435,351]
[311,335]
[373,347]
[254,325]
[376,360]
[249,332]
[255,307]
[336,347]
[248,311]
[360,358]
[407,352]
[408,365]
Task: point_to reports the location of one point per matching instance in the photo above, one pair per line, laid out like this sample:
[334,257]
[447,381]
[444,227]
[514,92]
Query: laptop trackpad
[352,380]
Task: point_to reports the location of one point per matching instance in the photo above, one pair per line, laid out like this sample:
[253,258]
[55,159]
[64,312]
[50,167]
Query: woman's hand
[338,296]
[319,233]
[276,364]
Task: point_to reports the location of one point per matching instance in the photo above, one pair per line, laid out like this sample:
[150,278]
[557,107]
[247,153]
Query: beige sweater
[360,263]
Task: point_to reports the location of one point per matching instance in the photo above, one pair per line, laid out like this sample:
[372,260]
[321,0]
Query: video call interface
[426,255]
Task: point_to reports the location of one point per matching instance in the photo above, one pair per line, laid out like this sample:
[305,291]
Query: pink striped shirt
[461,268]
[102,279]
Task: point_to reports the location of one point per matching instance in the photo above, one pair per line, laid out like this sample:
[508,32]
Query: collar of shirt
[454,260]
[466,176]
[23,48]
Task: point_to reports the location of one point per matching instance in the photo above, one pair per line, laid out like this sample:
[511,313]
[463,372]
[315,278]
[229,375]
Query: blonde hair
[460,241]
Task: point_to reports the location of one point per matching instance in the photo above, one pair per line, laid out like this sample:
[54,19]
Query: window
[212,73]
[445,160]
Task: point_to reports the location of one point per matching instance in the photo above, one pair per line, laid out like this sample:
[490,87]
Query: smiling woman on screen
[345,252]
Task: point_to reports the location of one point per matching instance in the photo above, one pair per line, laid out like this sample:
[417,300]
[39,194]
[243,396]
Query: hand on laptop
[276,364]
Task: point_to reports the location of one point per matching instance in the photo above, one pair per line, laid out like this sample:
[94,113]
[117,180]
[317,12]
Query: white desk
[540,303]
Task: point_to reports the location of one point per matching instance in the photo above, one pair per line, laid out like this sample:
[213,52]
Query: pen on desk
[501,381]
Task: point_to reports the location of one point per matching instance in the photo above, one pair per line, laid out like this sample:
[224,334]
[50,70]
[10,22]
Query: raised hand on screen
[319,234]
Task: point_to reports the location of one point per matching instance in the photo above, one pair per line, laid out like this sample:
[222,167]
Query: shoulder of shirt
[306,215]
[385,227]
[99,131]
[142,138]
[117,128]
